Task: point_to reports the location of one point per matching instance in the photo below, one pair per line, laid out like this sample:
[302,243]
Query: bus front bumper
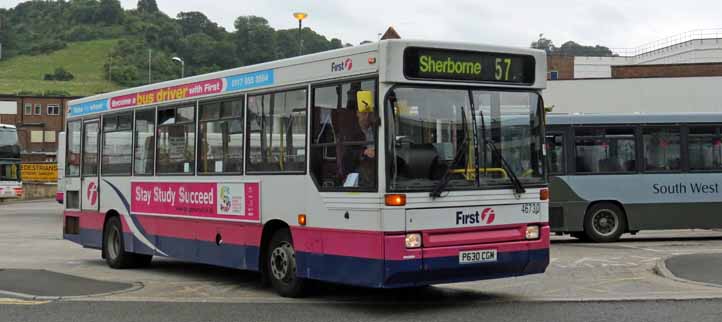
[439,265]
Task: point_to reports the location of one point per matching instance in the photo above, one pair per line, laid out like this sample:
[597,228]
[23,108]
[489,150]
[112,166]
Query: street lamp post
[300,16]
[183,65]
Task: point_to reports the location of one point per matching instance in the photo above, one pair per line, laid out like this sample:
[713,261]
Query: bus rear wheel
[115,254]
[281,265]
[604,222]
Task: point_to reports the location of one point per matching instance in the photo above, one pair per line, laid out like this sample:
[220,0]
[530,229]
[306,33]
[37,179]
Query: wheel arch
[269,228]
[109,214]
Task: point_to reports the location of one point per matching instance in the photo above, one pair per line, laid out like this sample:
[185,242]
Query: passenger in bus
[361,159]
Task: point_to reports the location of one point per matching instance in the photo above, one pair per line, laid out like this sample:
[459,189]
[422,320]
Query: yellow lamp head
[300,15]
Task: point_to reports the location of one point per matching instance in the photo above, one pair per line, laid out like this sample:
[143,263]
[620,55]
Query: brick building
[682,73]
[560,67]
[667,70]
[39,119]
[696,53]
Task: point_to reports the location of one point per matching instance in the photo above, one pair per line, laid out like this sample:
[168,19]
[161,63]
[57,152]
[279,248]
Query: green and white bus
[621,173]
[11,187]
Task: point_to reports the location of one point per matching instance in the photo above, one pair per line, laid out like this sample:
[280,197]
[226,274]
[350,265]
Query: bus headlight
[532,232]
[413,240]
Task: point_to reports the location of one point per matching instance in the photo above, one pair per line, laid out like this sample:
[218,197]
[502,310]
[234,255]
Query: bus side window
[277,132]
[144,142]
[343,142]
[221,137]
[176,140]
[705,148]
[605,150]
[662,149]
[117,140]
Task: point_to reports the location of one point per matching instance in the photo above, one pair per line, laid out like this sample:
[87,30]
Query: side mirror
[365,101]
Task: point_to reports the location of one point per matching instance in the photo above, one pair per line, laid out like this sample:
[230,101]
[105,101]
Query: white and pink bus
[59,194]
[393,164]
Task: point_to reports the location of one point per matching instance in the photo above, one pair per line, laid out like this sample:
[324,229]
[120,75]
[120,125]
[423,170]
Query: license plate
[477,256]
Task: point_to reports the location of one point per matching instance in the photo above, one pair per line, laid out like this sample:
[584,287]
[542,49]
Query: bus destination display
[439,64]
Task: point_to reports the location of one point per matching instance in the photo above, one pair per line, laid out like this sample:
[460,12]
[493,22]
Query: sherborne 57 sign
[459,65]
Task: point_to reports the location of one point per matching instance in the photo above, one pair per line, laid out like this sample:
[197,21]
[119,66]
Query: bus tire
[281,265]
[604,222]
[115,254]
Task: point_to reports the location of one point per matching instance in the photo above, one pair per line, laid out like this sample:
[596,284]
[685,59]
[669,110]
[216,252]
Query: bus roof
[340,63]
[8,126]
[633,118]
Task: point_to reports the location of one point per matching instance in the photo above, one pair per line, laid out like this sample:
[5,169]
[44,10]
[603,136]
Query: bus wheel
[115,254]
[281,268]
[604,222]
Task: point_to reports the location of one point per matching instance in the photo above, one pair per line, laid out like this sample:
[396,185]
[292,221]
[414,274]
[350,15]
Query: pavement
[30,238]
[703,268]
[50,285]
[653,311]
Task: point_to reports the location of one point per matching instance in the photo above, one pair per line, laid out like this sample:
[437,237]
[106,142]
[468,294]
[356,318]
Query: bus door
[71,179]
[557,162]
[89,182]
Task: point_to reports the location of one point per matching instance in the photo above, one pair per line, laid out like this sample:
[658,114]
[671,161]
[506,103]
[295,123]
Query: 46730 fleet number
[531,208]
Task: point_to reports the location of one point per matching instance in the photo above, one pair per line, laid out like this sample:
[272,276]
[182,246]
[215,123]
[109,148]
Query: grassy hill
[83,59]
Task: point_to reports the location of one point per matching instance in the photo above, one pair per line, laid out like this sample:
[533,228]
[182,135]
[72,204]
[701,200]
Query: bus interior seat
[417,160]
[581,165]
[630,165]
[609,165]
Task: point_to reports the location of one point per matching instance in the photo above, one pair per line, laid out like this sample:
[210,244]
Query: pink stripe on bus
[88,219]
[503,247]
[231,232]
[339,242]
[395,248]
[480,228]
[354,243]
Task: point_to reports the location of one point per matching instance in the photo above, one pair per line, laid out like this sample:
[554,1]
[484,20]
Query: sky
[611,23]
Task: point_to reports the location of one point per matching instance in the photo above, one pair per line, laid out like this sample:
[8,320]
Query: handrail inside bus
[470,173]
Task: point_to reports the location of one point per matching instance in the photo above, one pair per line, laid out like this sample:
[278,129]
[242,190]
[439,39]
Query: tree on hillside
[109,12]
[147,6]
[254,40]
[196,22]
[83,11]
[200,50]
[286,42]
[5,35]
[42,26]
[571,48]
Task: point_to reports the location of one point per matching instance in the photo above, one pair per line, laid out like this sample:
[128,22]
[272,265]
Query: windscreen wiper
[444,181]
[475,133]
[518,186]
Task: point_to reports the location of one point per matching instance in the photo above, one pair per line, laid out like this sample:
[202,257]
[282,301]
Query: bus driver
[364,158]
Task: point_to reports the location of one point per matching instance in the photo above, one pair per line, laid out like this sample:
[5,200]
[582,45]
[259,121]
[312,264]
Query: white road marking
[9,301]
